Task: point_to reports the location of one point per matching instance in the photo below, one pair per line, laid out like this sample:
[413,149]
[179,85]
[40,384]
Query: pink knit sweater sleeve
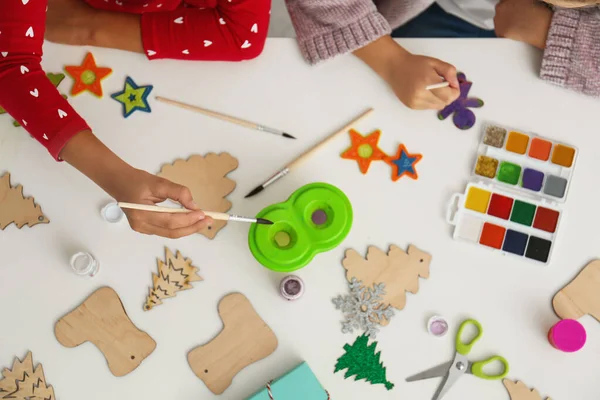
[327,28]
[572,55]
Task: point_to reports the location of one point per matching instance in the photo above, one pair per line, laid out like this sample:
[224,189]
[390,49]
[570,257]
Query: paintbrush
[227,118]
[214,215]
[283,172]
[437,86]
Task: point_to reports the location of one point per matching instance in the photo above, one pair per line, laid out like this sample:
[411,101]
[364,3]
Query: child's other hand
[411,74]
[69,22]
[145,188]
[523,20]
[408,75]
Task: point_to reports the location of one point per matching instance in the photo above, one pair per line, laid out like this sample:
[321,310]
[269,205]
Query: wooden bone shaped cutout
[245,339]
[102,320]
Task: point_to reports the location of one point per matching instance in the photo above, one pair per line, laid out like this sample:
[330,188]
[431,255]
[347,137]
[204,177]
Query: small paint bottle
[84,264]
[437,326]
[567,335]
[291,287]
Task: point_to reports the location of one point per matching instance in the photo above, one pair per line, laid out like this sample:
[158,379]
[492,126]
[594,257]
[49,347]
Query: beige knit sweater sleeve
[327,28]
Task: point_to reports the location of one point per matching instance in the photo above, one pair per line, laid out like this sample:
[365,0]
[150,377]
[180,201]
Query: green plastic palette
[316,218]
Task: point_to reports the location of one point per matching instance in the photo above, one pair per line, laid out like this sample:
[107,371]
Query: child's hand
[145,188]
[69,22]
[523,20]
[408,74]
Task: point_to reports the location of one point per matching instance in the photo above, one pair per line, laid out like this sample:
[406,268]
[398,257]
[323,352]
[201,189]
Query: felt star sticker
[133,97]
[364,149]
[87,76]
[403,163]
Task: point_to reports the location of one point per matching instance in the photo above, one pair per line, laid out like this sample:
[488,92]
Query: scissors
[451,371]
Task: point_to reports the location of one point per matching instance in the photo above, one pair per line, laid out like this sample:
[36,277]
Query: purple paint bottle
[291,287]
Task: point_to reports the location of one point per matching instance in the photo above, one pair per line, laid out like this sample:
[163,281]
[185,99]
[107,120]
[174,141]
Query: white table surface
[511,298]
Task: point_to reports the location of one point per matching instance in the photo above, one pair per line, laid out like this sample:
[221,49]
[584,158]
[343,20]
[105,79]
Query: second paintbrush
[227,118]
[214,215]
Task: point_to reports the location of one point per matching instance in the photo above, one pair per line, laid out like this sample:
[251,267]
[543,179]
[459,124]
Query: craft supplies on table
[460,365]
[298,384]
[291,287]
[316,218]
[112,213]
[581,296]
[437,326]
[567,335]
[513,202]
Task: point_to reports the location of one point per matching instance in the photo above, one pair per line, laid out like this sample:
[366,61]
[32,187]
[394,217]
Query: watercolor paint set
[513,203]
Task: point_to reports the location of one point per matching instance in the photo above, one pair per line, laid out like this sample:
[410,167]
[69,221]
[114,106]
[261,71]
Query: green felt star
[133,97]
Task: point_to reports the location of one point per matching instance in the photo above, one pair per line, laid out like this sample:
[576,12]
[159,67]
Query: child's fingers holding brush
[447,95]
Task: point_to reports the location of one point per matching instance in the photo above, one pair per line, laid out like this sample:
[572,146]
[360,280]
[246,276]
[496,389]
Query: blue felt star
[403,163]
[133,97]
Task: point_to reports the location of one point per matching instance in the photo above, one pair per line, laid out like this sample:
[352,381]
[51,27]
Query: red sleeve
[25,91]
[212,30]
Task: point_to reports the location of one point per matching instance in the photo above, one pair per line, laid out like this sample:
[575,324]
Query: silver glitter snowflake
[362,308]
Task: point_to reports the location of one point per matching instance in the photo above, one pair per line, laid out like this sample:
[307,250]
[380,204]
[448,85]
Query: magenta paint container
[567,335]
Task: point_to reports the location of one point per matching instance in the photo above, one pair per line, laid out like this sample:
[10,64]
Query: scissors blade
[435,372]
[458,368]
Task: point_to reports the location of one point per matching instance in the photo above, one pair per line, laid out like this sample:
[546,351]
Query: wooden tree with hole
[174,274]
[206,177]
[398,270]
[24,382]
[519,391]
[16,208]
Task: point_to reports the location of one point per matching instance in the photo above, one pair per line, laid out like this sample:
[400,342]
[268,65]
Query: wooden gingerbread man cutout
[398,270]
[581,296]
[102,320]
[245,339]
[519,391]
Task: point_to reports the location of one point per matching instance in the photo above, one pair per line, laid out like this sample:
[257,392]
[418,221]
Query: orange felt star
[403,163]
[87,76]
[364,149]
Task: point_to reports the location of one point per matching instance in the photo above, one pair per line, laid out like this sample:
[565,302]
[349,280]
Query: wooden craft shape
[206,177]
[398,270]
[24,382]
[519,391]
[175,274]
[581,296]
[245,339]
[102,320]
[16,208]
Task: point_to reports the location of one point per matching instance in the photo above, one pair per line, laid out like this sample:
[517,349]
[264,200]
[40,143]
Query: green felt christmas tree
[362,361]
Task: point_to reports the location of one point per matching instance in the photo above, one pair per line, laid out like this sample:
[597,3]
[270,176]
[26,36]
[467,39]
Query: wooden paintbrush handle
[210,113]
[145,207]
[349,125]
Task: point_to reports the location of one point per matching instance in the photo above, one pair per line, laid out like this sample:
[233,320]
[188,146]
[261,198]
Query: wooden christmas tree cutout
[398,270]
[206,177]
[519,391]
[16,208]
[362,361]
[581,296]
[24,382]
[102,320]
[174,274]
[245,339]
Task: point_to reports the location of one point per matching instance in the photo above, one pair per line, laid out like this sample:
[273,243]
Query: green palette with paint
[316,218]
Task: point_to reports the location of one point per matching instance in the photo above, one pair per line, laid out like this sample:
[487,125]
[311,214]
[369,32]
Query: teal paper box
[298,384]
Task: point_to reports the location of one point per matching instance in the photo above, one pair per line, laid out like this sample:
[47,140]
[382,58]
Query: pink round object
[567,335]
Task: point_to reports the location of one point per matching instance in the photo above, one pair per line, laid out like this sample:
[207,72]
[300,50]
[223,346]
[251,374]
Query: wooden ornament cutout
[206,177]
[25,382]
[102,320]
[245,339]
[16,208]
[519,391]
[581,296]
[174,274]
[398,270]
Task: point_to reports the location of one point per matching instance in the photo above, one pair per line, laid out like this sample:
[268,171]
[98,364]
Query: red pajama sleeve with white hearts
[25,91]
